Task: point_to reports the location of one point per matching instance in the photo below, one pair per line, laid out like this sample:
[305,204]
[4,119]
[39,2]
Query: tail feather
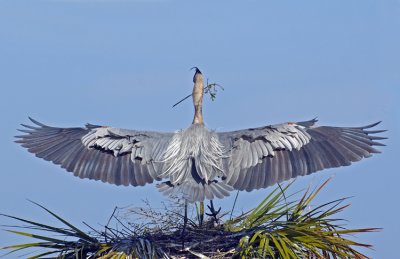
[194,192]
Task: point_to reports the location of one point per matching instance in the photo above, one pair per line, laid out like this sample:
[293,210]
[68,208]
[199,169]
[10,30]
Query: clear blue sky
[124,63]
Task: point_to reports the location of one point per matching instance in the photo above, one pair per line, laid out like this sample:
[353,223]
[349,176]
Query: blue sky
[124,63]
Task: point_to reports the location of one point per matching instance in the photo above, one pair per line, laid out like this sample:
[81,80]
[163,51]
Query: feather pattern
[291,149]
[108,154]
[197,163]
[193,163]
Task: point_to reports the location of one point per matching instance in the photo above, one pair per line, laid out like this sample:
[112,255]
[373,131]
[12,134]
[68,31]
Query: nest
[167,233]
[276,228]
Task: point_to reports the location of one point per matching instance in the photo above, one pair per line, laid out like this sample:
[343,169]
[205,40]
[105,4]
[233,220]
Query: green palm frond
[281,229]
[281,226]
[78,244]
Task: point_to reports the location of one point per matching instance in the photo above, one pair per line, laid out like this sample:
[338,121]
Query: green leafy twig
[210,89]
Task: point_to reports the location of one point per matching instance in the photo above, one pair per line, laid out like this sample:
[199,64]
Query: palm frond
[281,229]
[281,226]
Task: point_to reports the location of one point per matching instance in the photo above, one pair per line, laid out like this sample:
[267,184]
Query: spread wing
[112,155]
[263,156]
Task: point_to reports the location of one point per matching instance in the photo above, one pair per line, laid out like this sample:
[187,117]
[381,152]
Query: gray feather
[94,152]
[293,149]
[195,160]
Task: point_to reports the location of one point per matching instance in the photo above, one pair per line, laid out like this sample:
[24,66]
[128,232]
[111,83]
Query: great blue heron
[196,162]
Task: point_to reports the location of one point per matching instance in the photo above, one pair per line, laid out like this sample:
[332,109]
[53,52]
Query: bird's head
[196,74]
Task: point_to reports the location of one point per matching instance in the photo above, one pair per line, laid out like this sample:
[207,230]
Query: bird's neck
[197,94]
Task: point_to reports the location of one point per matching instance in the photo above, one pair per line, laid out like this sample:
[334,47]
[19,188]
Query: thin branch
[234,204]
[209,89]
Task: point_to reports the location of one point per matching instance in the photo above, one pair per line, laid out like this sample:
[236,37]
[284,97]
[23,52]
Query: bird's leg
[185,220]
[214,212]
[201,216]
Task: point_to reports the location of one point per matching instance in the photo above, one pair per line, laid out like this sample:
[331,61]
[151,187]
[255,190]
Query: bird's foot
[213,213]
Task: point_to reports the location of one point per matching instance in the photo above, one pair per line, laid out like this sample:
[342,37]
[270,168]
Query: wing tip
[374,131]
[36,122]
[91,126]
[308,123]
[29,129]
[370,125]
[368,132]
